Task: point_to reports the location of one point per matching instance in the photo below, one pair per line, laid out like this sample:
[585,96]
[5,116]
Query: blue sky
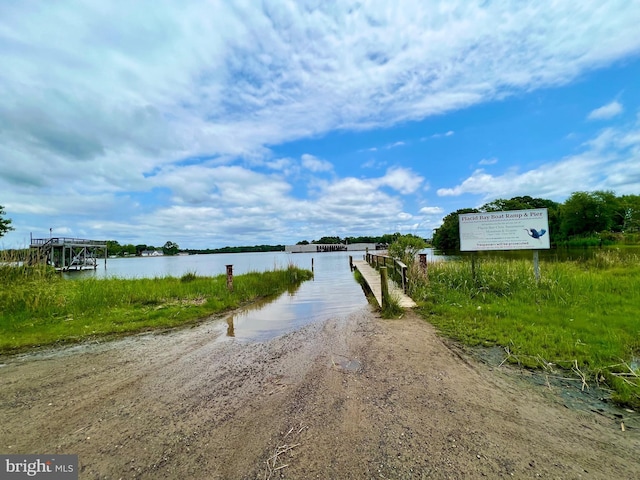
[212,123]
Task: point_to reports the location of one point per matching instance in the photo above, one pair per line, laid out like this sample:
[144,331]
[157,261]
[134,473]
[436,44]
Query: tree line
[387,238]
[584,219]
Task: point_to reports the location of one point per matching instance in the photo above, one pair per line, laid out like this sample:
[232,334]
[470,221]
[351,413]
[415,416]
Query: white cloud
[285,165]
[185,80]
[488,161]
[606,112]
[315,164]
[439,135]
[431,210]
[403,180]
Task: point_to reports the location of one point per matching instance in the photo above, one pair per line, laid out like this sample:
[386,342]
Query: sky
[247,122]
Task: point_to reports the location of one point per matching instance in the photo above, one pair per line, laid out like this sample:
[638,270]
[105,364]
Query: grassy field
[582,316]
[38,307]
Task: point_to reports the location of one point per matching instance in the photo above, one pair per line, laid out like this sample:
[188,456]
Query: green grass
[38,307]
[584,314]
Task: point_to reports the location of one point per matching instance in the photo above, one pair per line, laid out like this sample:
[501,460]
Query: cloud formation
[606,112]
[153,115]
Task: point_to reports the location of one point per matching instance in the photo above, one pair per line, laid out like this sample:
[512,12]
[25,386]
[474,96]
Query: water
[214,264]
[333,292]
[202,265]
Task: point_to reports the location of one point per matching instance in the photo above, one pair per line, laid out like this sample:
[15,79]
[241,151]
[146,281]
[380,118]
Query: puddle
[333,292]
[350,366]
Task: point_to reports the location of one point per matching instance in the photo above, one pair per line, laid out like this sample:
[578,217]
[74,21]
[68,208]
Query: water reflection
[333,292]
[230,330]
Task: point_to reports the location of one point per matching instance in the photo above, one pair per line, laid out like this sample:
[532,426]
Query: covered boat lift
[66,254]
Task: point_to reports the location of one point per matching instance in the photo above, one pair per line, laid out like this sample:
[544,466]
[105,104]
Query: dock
[372,277]
[66,254]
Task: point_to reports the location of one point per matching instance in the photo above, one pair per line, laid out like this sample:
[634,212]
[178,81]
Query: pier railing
[39,242]
[396,269]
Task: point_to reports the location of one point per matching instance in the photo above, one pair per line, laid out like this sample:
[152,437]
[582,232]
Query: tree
[518,203]
[629,213]
[406,247]
[329,240]
[114,247]
[141,248]
[170,248]
[525,203]
[447,236]
[585,213]
[5,224]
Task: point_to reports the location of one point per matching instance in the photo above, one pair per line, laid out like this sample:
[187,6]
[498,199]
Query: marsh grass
[582,316]
[38,307]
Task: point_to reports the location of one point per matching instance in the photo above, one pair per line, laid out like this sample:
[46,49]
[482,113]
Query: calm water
[333,292]
[215,264]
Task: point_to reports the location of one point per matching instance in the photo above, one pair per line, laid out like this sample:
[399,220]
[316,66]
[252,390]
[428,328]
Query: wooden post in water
[350,263]
[384,286]
[230,277]
[536,265]
[312,264]
[423,262]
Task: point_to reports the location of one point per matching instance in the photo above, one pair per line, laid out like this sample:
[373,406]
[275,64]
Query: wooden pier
[373,279]
[66,254]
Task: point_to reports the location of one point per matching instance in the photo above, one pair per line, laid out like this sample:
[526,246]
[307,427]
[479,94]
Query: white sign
[509,230]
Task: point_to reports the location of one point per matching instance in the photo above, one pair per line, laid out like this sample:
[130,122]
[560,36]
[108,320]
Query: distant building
[331,247]
[151,253]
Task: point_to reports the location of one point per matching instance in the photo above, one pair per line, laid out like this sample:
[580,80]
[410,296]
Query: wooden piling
[230,278]
[423,262]
[384,287]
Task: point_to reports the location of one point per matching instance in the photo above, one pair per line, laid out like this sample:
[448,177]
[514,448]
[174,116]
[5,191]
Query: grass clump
[581,316]
[38,307]
[391,308]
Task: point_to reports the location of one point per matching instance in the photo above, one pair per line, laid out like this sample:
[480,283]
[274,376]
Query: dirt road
[355,397]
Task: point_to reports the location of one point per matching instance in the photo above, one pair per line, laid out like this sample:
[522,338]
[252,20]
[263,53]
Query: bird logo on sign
[533,233]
